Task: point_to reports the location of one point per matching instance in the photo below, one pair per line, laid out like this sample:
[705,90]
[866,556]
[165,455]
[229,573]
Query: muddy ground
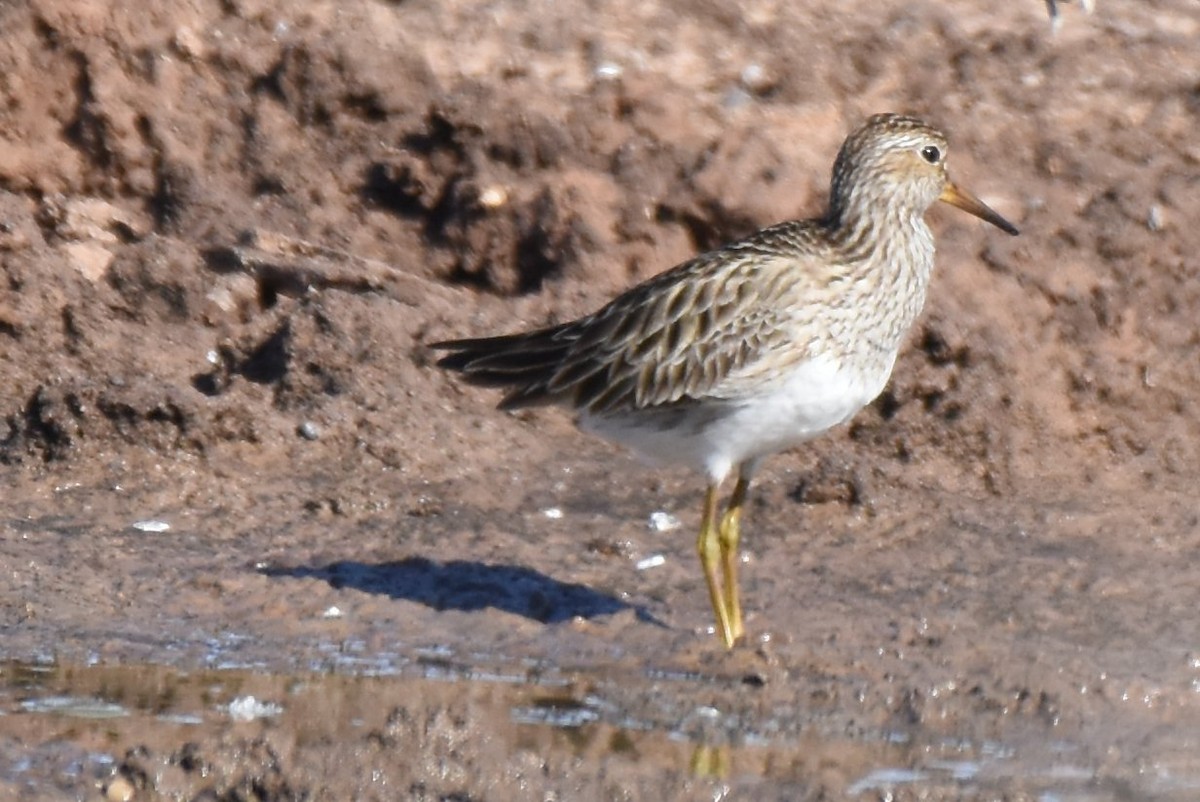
[254,546]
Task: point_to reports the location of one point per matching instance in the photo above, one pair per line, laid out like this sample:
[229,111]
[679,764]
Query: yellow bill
[969,203]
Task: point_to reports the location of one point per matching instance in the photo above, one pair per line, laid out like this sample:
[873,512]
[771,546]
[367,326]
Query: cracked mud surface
[227,232]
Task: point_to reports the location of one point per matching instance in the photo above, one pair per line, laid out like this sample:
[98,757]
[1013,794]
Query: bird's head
[898,163]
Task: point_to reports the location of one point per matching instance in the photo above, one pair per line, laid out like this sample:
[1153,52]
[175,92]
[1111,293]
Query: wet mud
[255,546]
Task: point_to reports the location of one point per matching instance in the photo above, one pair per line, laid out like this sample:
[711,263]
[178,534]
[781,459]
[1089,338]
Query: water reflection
[80,727]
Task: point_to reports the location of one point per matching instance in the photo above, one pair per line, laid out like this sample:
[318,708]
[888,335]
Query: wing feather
[713,326]
[711,320]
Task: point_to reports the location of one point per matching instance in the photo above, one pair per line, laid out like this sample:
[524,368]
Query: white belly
[811,399]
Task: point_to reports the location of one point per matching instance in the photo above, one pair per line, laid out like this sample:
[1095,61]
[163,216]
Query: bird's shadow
[468,586]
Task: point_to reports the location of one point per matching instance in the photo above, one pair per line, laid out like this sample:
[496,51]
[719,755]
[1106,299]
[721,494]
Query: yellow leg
[710,548]
[728,536]
[710,762]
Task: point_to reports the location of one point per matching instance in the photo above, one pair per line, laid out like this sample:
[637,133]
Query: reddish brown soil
[228,231]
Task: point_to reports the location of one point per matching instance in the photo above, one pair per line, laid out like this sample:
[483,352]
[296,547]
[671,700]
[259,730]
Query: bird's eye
[931,154]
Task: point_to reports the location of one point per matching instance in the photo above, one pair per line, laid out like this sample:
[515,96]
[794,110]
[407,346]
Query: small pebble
[247,708]
[188,44]
[553,513]
[151,526]
[608,70]
[309,430]
[653,561]
[119,790]
[756,79]
[661,521]
[493,197]
[1155,220]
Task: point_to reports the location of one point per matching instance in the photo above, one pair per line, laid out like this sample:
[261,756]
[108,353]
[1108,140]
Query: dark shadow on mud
[468,586]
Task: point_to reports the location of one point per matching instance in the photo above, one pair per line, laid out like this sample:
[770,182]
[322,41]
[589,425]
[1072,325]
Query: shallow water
[66,730]
[940,647]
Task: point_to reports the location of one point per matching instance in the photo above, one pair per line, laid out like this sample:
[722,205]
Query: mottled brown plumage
[756,346]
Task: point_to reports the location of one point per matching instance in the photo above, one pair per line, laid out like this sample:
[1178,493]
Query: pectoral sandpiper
[754,347]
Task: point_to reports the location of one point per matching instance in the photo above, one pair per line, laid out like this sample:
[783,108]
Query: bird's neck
[880,232]
[886,259]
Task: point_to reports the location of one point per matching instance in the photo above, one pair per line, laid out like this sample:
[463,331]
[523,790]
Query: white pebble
[608,70]
[553,513]
[662,522]
[1154,219]
[653,561]
[493,197]
[247,708]
[151,526]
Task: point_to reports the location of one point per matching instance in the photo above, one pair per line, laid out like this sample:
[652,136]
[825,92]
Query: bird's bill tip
[969,203]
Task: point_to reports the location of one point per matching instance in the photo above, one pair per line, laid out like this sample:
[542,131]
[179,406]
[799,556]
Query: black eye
[931,154]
